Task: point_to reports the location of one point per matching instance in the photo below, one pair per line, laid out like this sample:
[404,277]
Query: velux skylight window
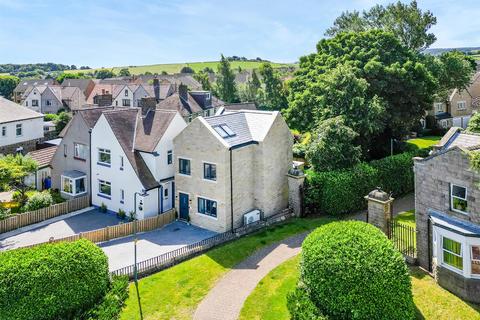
[224,131]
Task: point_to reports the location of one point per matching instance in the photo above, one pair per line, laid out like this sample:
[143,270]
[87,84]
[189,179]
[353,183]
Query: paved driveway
[87,221]
[120,252]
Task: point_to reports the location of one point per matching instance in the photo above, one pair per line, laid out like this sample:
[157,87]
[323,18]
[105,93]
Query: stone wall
[467,289]
[26,145]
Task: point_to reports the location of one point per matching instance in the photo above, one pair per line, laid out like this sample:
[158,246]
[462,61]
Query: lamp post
[135,239]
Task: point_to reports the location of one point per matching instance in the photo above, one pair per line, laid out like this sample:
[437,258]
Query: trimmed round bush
[350,270]
[52,281]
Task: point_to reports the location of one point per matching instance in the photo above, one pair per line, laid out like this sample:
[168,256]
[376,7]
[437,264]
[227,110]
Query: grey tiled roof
[11,111]
[248,126]
[151,128]
[463,140]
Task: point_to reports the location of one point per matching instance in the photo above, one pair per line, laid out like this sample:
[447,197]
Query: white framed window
[438,107]
[207,207]
[122,196]
[19,129]
[74,186]
[104,157]
[80,151]
[458,199]
[452,253]
[34,103]
[475,260]
[104,189]
[169,157]
[126,102]
[4,131]
[461,105]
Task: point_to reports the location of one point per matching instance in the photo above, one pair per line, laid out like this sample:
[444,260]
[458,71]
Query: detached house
[447,204]
[231,167]
[132,159]
[44,99]
[459,107]
[20,128]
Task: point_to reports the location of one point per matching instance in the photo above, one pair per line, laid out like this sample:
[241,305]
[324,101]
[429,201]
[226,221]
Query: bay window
[73,183]
[475,260]
[452,253]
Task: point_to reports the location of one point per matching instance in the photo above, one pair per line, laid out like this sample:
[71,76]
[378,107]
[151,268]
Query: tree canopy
[226,87]
[13,171]
[274,93]
[124,72]
[406,21]
[104,73]
[7,85]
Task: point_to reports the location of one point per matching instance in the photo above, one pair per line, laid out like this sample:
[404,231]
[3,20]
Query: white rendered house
[132,160]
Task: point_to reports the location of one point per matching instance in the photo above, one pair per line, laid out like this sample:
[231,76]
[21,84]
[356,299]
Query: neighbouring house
[230,165]
[71,161]
[234,107]
[20,128]
[457,110]
[42,178]
[44,99]
[190,104]
[132,159]
[447,205]
[73,98]
[85,85]
[24,85]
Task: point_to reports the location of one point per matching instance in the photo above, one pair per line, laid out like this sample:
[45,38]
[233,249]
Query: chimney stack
[147,104]
[156,88]
[183,92]
[104,100]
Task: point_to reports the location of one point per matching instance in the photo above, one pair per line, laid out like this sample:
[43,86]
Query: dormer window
[126,93]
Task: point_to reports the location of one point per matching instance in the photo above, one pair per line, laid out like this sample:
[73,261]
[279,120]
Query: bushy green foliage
[111,305]
[350,270]
[301,307]
[474,123]
[7,85]
[61,121]
[343,191]
[332,146]
[52,281]
[37,201]
[13,171]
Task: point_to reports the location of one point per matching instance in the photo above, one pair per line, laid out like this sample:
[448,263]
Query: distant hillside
[437,51]
[196,66]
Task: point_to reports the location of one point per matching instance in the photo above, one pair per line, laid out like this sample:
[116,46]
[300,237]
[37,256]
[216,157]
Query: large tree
[204,80]
[407,21]
[226,87]
[13,171]
[274,97]
[389,78]
[7,84]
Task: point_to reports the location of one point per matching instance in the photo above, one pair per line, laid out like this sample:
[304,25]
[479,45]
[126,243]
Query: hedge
[343,191]
[350,270]
[52,281]
[110,307]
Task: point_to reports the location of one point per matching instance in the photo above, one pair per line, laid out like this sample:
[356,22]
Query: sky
[105,33]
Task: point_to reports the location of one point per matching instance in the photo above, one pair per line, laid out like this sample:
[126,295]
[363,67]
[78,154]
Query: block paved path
[226,299]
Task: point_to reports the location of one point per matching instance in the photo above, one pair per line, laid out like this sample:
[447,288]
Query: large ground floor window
[74,186]
[104,188]
[207,207]
[459,252]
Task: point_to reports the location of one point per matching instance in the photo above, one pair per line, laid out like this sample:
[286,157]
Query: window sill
[108,165]
[184,175]
[210,180]
[207,216]
[104,196]
[80,159]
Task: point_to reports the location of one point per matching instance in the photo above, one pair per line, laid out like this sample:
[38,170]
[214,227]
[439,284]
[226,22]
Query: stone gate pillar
[296,178]
[379,209]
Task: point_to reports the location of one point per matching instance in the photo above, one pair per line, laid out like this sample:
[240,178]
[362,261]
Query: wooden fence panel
[28,218]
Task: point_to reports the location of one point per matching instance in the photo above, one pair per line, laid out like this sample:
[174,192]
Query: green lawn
[175,67]
[406,217]
[268,299]
[424,142]
[175,293]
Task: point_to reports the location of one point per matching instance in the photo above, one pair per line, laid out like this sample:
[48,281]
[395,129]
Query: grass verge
[175,293]
[424,142]
[268,300]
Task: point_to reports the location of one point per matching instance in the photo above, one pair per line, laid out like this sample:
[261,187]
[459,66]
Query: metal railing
[404,238]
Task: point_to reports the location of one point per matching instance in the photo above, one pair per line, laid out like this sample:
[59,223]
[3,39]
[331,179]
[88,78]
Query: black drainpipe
[231,189]
[429,240]
[90,166]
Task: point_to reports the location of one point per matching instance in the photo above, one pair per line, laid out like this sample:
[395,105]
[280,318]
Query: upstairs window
[184,166]
[121,162]
[458,199]
[438,107]
[169,157]
[18,129]
[461,105]
[104,157]
[80,151]
[126,102]
[224,131]
[34,103]
[4,131]
[49,102]
[209,171]
[126,93]
[452,253]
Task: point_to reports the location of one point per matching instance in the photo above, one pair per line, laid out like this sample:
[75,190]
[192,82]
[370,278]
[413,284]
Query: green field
[197,66]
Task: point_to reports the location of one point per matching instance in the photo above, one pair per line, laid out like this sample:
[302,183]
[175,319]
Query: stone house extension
[229,165]
[447,204]
[460,105]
